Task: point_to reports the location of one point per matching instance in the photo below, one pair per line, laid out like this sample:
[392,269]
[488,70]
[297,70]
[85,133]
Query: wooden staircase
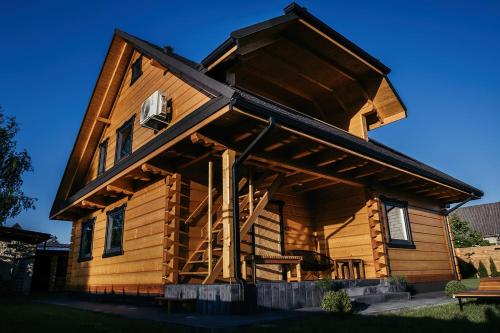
[378,238]
[207,267]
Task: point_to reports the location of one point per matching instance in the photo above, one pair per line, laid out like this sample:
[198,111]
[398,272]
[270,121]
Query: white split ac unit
[156,111]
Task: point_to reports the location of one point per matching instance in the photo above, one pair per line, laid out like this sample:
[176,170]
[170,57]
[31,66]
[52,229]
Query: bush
[454,287]
[493,269]
[467,268]
[396,280]
[481,270]
[336,301]
[328,284]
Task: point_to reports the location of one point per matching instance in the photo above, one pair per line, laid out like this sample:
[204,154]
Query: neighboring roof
[294,12]
[484,218]
[192,73]
[27,236]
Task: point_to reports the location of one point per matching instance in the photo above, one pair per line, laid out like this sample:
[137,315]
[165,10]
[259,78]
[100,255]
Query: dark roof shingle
[483,218]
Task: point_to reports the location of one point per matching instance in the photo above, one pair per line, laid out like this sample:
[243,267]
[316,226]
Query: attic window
[371,120]
[136,70]
[124,140]
[103,152]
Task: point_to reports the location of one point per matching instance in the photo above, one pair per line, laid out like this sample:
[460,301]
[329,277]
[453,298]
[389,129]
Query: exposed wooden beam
[91,205]
[146,167]
[318,185]
[103,120]
[119,190]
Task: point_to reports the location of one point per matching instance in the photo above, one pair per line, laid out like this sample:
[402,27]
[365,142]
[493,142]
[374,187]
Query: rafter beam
[91,205]
[119,190]
[146,167]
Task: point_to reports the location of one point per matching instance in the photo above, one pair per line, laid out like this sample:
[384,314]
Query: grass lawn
[23,315]
[472,283]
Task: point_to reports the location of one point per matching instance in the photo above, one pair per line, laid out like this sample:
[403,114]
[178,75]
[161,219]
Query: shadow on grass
[24,315]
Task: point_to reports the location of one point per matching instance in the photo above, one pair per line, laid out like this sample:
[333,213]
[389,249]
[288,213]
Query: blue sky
[444,59]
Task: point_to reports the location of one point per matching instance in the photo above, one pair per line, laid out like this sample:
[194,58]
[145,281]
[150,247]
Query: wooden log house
[274,124]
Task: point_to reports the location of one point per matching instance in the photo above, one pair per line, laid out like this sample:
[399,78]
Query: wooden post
[227,213]
[210,215]
[171,234]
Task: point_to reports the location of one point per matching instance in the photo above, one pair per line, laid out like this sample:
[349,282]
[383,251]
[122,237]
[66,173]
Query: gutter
[446,213]
[236,205]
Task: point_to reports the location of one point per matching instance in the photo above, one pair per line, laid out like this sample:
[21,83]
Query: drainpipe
[447,212]
[236,204]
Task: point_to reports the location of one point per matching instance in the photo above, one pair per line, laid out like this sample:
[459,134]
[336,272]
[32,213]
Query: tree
[493,269]
[463,235]
[13,165]
[481,270]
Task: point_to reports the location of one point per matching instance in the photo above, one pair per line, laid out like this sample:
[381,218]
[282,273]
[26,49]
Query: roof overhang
[26,236]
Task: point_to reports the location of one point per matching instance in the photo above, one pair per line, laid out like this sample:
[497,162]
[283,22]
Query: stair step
[194,273]
[192,262]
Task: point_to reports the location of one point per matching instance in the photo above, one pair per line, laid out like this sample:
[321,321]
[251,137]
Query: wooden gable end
[185,98]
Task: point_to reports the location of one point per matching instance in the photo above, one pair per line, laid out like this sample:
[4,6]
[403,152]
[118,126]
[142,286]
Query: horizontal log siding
[342,225]
[185,99]
[430,260]
[139,268]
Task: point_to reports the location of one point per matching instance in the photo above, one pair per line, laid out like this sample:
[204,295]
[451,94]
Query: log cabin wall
[139,268]
[298,220]
[341,221]
[185,99]
[431,259]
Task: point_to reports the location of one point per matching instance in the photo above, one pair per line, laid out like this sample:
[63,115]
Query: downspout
[447,212]
[236,205]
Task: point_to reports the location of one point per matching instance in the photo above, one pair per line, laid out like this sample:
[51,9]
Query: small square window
[136,70]
[398,224]
[114,232]
[86,238]
[103,152]
[124,140]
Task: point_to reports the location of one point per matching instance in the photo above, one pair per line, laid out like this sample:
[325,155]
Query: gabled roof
[16,233]
[223,94]
[484,218]
[293,12]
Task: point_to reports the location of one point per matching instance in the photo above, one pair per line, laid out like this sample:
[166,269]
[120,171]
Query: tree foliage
[481,270]
[493,269]
[464,235]
[13,165]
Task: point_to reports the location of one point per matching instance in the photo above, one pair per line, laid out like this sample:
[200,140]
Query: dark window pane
[86,240]
[124,140]
[114,232]
[103,150]
[136,70]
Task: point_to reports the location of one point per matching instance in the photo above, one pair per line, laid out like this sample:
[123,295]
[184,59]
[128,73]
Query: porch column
[227,214]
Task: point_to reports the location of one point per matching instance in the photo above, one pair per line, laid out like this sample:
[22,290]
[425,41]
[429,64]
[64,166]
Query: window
[86,240]
[398,226]
[124,140]
[114,232]
[103,151]
[136,70]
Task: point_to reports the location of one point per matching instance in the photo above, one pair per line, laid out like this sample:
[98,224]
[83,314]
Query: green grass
[472,283]
[23,315]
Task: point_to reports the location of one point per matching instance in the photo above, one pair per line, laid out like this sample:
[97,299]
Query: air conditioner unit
[156,111]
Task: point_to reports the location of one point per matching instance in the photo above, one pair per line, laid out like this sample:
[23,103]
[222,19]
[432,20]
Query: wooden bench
[185,303]
[489,288]
[255,260]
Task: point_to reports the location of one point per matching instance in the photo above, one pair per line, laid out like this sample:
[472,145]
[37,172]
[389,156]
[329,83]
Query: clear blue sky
[444,59]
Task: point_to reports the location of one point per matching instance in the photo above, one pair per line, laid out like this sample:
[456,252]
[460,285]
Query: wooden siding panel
[185,99]
[430,260]
[141,263]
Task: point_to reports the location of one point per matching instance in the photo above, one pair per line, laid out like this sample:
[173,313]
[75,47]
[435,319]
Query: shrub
[467,268]
[327,284]
[454,287]
[481,270]
[493,269]
[396,279]
[336,301]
